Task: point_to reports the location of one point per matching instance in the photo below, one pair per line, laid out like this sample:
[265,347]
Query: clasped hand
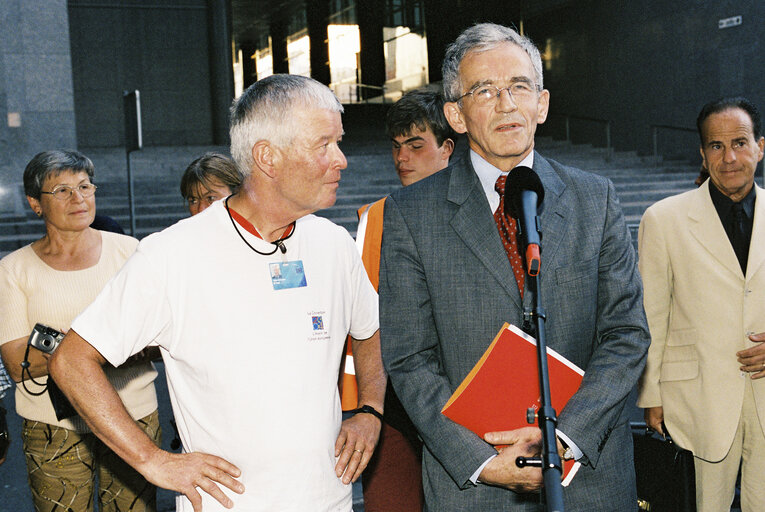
[502,470]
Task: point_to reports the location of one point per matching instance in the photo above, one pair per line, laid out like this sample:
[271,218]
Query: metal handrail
[607,122]
[655,130]
[367,86]
[380,88]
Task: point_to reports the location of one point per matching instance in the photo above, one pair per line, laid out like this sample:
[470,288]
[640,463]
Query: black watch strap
[368,409]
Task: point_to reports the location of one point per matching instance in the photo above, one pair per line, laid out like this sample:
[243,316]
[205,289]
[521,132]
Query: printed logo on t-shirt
[319,324]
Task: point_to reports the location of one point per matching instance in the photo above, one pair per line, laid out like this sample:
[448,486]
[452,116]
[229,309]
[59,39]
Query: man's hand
[753,359]
[502,470]
[654,417]
[185,472]
[355,445]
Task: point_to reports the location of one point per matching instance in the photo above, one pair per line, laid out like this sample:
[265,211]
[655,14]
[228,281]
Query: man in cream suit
[705,302]
[447,286]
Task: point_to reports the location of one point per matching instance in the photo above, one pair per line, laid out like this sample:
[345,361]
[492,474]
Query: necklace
[278,244]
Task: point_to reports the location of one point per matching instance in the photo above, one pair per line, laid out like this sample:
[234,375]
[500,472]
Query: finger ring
[358,451]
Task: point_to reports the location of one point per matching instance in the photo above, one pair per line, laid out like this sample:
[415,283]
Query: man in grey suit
[448,286]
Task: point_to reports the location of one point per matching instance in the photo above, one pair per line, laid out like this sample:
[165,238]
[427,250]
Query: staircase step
[639,181]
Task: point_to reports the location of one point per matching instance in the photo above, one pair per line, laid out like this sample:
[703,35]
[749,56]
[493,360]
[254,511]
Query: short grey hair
[478,38]
[53,163]
[265,112]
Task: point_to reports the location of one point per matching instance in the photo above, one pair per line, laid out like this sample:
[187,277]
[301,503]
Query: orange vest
[370,256]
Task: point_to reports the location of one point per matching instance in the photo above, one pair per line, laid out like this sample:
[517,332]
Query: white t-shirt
[252,370]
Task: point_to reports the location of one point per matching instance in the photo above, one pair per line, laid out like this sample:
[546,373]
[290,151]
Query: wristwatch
[369,410]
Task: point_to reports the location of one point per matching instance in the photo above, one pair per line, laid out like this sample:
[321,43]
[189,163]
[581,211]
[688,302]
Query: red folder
[505,383]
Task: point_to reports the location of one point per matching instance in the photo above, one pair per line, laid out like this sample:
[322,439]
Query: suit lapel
[706,227]
[555,207]
[757,257]
[475,225]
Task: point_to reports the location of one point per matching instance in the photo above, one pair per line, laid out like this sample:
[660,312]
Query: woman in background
[207,179]
[50,282]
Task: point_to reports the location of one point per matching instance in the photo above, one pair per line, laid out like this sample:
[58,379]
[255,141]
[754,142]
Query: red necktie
[508,232]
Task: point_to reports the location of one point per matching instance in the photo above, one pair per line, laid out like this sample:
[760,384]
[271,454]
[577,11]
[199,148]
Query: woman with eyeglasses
[50,282]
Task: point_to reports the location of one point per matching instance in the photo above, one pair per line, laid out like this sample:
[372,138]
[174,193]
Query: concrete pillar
[440,31]
[446,19]
[278,28]
[221,67]
[36,89]
[249,66]
[372,63]
[316,15]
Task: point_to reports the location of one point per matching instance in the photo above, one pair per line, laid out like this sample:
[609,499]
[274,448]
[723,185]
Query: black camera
[45,338]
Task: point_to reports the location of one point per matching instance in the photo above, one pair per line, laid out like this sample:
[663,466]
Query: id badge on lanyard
[287,274]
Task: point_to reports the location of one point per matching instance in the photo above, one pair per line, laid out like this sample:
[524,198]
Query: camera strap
[61,406]
[25,368]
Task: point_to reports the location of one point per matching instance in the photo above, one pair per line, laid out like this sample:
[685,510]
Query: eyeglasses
[488,94]
[64,192]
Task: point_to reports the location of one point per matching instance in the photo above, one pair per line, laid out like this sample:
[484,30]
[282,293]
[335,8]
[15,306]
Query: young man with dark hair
[422,139]
[422,143]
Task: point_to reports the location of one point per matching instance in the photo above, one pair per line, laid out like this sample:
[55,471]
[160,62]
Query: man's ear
[704,158]
[448,148]
[454,117]
[543,106]
[266,157]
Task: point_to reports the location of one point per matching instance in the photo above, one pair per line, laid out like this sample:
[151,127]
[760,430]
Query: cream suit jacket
[700,308]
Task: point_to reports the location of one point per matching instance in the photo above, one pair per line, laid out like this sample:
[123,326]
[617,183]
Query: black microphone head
[521,178]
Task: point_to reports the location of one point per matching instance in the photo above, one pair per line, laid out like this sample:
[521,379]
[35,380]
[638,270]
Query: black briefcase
[666,478]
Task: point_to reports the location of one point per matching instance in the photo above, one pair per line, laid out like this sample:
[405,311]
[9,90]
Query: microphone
[523,195]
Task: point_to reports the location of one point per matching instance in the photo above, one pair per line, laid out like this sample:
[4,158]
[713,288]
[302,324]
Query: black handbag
[5,438]
[61,405]
[665,474]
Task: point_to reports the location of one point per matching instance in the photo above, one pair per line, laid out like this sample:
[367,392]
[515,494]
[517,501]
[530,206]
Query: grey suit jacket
[446,288]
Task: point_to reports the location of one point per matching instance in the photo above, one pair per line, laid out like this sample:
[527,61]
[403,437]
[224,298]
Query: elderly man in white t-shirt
[250,303]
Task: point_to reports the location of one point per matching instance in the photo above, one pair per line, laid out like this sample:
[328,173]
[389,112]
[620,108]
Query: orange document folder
[505,383]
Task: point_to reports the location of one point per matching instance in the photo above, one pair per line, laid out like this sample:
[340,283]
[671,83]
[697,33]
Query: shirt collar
[488,174]
[724,204]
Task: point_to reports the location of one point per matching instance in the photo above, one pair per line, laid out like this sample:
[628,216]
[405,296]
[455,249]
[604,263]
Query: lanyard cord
[278,244]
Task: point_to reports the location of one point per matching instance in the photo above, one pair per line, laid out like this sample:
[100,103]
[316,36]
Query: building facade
[644,68]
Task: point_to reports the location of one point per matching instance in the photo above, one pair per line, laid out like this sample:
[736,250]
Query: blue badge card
[287,274]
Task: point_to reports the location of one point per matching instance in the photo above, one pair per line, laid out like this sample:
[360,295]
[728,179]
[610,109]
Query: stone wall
[36,93]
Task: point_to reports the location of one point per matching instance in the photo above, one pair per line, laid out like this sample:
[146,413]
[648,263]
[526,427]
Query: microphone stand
[550,461]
